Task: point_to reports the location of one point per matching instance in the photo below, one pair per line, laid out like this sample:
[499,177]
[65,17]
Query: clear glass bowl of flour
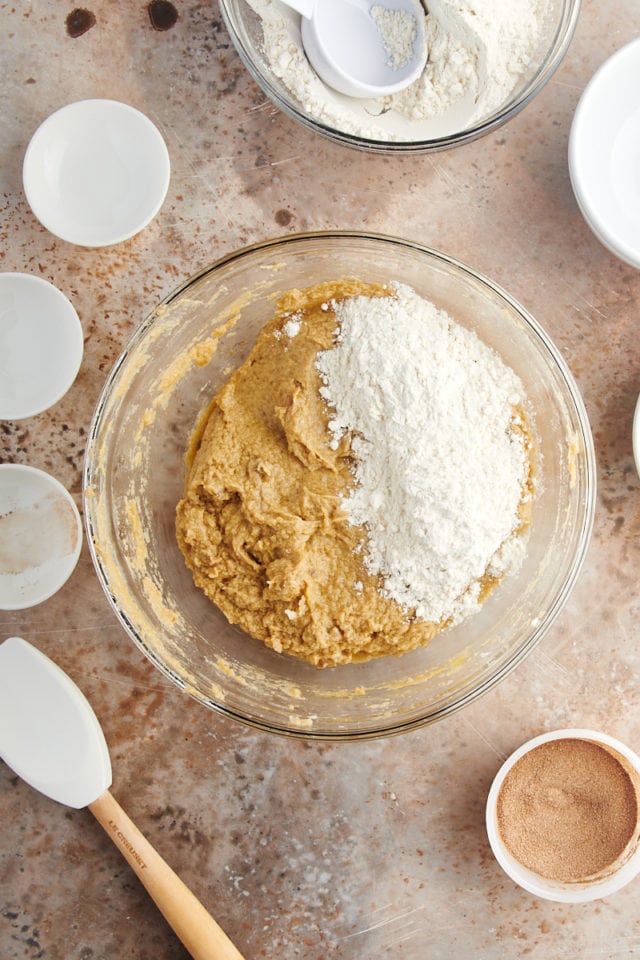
[487,60]
[134,474]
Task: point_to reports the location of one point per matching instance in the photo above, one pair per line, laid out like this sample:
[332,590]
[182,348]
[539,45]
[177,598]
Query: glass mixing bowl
[456,126]
[134,473]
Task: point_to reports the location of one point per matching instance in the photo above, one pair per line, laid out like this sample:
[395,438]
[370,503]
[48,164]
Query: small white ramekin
[96,172]
[42,530]
[635,435]
[604,154]
[579,892]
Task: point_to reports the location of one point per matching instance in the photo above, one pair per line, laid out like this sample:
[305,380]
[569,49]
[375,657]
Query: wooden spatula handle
[195,927]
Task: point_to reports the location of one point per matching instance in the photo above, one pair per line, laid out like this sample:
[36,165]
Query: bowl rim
[373,730]
[560,44]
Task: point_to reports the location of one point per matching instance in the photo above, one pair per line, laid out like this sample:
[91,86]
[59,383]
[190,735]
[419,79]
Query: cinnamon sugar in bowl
[563,815]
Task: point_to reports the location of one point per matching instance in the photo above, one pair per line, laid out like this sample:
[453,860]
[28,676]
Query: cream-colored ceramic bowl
[458,125]
[134,474]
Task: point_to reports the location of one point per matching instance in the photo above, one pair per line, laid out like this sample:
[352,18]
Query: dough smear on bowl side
[313,499]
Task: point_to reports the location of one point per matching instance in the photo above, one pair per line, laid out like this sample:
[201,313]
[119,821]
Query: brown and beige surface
[300,850]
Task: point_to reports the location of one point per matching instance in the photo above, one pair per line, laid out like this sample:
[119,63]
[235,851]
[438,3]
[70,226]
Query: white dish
[41,345]
[604,154]
[96,172]
[636,435]
[578,892]
[40,536]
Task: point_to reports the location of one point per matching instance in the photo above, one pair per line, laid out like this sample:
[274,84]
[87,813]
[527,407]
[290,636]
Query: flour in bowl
[398,31]
[478,53]
[441,453]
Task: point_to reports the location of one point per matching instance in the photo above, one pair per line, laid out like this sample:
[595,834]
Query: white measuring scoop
[50,737]
[364,48]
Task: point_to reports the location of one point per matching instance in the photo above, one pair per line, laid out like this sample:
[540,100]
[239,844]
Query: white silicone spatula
[51,738]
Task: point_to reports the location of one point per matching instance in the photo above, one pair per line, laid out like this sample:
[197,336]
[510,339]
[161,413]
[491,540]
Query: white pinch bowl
[41,345]
[635,435]
[96,172]
[578,892]
[40,536]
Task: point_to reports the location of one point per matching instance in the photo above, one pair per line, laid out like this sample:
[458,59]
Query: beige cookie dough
[260,524]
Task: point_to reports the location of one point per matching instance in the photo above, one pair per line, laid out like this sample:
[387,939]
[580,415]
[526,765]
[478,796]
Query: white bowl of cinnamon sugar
[563,815]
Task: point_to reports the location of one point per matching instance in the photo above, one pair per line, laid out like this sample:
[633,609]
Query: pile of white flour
[478,51]
[442,463]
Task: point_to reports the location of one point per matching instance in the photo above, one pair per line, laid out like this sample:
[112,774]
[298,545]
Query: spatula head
[49,735]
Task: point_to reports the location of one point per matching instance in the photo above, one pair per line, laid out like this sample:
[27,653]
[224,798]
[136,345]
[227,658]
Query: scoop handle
[195,927]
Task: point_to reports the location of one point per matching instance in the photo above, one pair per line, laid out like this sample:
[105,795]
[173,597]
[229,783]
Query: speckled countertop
[365,850]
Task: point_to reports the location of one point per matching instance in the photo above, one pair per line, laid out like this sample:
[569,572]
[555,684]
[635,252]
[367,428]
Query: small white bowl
[579,892]
[635,436]
[604,154]
[41,345]
[96,172]
[40,536]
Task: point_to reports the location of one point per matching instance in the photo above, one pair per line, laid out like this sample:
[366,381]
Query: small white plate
[96,172]
[40,536]
[604,154]
[41,345]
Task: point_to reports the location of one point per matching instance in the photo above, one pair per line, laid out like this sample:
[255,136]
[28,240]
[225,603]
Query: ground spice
[568,810]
